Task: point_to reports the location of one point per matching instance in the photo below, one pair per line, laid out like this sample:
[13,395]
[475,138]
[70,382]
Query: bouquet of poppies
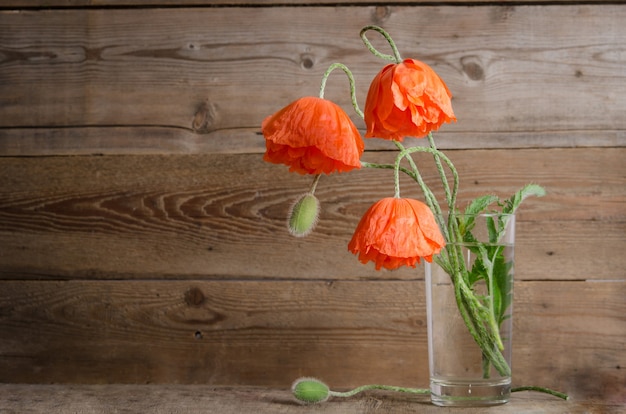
[314,136]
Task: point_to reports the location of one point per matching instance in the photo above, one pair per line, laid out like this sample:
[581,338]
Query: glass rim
[483,214]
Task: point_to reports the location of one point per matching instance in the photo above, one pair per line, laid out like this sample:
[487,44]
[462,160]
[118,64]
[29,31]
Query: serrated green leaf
[479,204]
[514,202]
[494,233]
[466,221]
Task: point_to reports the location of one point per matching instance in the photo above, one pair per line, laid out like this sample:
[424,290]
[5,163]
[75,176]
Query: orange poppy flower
[396,232]
[312,136]
[406,99]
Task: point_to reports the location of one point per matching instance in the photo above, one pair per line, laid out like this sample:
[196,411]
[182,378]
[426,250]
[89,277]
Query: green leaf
[494,233]
[514,202]
[503,295]
[466,221]
[479,204]
[478,271]
[491,267]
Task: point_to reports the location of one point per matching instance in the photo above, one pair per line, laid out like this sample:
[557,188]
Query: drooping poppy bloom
[312,136]
[396,232]
[407,99]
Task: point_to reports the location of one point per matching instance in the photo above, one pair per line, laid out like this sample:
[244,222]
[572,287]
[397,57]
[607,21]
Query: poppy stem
[392,58]
[396,174]
[316,179]
[408,172]
[431,200]
[450,195]
[541,389]
[442,173]
[314,391]
[367,387]
[347,71]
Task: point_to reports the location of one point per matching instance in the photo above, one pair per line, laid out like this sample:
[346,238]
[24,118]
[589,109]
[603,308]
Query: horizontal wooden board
[253,3]
[530,75]
[269,333]
[217,216]
[158,140]
[202,399]
[167,260]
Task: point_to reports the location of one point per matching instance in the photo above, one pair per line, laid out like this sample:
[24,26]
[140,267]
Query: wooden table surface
[85,399]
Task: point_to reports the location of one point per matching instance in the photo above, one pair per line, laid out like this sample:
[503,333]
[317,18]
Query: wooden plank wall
[142,237]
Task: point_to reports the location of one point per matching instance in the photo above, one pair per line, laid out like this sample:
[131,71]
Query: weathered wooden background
[142,237]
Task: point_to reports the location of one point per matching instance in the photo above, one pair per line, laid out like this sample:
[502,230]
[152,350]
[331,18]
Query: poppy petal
[397,232]
[312,136]
[407,99]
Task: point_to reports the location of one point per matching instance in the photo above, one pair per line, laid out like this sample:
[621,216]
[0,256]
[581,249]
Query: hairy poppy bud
[310,390]
[303,215]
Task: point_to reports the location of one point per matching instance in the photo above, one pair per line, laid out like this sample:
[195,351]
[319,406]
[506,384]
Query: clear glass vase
[469,298]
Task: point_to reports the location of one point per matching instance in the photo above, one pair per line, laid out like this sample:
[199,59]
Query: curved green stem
[541,389]
[431,200]
[378,387]
[396,58]
[452,229]
[405,170]
[363,388]
[312,391]
[347,71]
[428,194]
[451,197]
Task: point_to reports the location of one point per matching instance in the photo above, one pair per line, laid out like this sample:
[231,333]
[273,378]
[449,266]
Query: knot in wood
[306,61]
[381,14]
[205,118]
[473,68]
[194,297]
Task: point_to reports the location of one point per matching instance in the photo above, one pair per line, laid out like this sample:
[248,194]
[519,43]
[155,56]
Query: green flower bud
[310,390]
[303,215]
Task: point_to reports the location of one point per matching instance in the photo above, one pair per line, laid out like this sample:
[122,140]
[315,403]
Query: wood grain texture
[142,237]
[192,399]
[224,215]
[139,140]
[184,74]
[344,332]
[254,3]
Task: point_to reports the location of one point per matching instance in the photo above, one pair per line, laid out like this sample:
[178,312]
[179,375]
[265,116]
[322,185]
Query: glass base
[464,393]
